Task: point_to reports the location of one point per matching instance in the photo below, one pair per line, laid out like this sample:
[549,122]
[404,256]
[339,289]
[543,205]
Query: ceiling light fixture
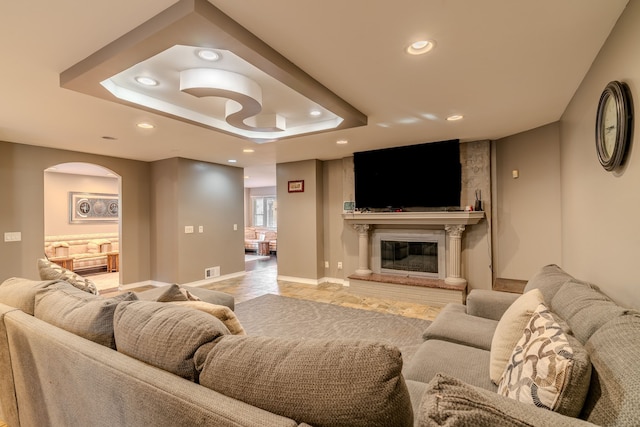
[166,47]
[421,46]
[208,54]
[232,161]
[315,113]
[248,150]
[342,142]
[146,81]
[455,117]
[145,125]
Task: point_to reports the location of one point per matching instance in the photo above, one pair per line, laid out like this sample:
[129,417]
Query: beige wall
[300,221]
[56,202]
[193,193]
[22,192]
[527,210]
[600,227]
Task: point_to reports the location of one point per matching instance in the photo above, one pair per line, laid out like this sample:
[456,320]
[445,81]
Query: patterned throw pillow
[51,271]
[547,368]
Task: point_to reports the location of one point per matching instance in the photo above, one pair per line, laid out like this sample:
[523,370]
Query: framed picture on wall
[296,186]
[93,207]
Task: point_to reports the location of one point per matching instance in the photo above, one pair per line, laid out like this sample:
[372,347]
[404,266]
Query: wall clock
[614,125]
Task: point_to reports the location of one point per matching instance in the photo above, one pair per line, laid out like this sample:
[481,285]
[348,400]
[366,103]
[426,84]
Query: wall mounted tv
[415,176]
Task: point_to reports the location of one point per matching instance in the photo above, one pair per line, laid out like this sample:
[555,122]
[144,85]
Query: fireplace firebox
[409,253]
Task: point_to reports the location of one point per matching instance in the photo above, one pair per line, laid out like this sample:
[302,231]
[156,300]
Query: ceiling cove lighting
[420,47]
[210,71]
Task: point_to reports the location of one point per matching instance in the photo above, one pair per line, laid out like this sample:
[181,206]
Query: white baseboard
[158,284]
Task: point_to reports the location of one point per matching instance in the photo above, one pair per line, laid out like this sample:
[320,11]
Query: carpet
[255,257]
[278,316]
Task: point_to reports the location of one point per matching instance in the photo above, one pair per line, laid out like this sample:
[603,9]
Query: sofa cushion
[548,368]
[79,312]
[449,401]
[21,293]
[470,364]
[509,330]
[548,280]
[614,395]
[455,325]
[221,312]
[51,271]
[164,335]
[584,308]
[319,382]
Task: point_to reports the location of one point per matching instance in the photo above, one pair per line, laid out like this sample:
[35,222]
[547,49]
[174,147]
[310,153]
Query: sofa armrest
[448,401]
[489,304]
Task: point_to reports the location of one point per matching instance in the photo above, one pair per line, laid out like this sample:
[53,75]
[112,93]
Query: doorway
[82,221]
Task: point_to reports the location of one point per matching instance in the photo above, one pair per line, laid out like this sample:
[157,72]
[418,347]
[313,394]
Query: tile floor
[261,279]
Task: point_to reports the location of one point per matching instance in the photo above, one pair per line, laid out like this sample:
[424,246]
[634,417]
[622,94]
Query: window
[264,209]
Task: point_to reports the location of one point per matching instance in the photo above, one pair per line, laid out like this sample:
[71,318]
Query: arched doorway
[82,221]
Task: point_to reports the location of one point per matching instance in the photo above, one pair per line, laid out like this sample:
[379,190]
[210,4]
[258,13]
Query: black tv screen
[416,176]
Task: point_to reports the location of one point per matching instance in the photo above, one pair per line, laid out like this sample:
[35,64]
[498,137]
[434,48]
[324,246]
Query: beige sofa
[175,367]
[253,235]
[88,251]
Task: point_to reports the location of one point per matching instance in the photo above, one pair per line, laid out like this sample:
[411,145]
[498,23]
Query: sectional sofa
[88,251]
[560,354]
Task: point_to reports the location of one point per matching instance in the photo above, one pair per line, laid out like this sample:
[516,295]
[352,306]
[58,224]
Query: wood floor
[261,279]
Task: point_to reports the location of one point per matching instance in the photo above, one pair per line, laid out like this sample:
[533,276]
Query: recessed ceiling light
[145,125]
[342,142]
[248,150]
[315,113]
[232,161]
[208,54]
[455,117]
[421,46]
[146,81]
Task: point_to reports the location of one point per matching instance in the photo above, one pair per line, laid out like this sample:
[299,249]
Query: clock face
[610,128]
[614,121]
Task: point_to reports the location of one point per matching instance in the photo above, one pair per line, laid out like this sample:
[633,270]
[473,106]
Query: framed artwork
[296,186]
[93,207]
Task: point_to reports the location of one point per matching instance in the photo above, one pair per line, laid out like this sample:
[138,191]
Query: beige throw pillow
[51,271]
[223,313]
[509,331]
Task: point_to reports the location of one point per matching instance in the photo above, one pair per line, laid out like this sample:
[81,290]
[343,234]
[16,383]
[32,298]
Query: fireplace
[419,253]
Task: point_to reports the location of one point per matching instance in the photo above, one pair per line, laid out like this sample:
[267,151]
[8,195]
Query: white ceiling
[507,66]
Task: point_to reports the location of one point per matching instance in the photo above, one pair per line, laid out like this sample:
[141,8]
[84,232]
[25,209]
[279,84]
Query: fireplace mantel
[414,218]
[454,224]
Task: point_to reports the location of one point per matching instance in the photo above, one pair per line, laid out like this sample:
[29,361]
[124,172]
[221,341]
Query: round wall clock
[613,125]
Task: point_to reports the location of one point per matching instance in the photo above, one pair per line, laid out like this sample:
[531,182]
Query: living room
[548,200]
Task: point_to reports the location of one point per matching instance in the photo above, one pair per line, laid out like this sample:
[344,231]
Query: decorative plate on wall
[614,122]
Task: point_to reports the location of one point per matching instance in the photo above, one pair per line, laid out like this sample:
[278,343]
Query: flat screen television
[415,176]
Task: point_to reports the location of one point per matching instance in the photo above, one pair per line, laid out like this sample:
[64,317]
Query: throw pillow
[84,314]
[318,382]
[164,335]
[223,313]
[548,368]
[509,330]
[176,293]
[51,271]
[447,401]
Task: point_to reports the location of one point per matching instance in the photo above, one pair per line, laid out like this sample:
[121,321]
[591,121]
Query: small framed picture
[296,186]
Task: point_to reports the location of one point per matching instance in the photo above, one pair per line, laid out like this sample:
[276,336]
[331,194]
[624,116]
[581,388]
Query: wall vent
[211,272]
